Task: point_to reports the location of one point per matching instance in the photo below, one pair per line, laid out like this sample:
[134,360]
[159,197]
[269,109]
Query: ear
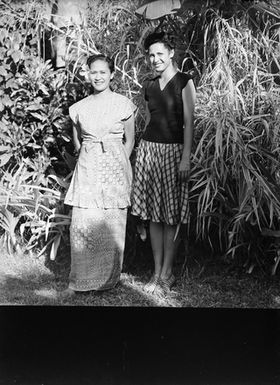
[112,75]
[172,52]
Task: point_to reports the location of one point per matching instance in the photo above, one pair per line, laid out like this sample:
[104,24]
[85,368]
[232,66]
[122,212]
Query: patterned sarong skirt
[157,194]
[97,238]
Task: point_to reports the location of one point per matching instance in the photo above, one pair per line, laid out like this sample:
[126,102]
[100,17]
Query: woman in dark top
[160,192]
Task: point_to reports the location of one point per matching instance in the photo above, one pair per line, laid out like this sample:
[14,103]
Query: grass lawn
[27,280]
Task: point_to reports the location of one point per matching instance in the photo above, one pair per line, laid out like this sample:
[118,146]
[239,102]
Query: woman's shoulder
[120,97]
[183,78]
[78,106]
[81,102]
[149,83]
[123,102]
[149,80]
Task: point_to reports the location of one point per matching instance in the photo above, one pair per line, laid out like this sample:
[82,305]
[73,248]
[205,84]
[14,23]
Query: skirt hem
[94,288]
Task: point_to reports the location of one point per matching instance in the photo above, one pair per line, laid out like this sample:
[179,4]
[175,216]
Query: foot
[67,293]
[167,282]
[142,232]
[152,284]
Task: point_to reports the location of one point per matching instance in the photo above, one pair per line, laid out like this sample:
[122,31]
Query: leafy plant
[38,210]
[234,182]
[8,223]
[233,54]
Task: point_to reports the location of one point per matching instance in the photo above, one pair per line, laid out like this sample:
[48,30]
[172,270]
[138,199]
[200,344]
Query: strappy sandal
[152,284]
[67,293]
[142,232]
[167,283]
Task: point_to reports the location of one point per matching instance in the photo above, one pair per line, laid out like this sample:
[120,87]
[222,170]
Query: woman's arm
[129,132]
[188,96]
[148,115]
[77,137]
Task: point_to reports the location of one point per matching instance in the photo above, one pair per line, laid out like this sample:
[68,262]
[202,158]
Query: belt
[89,144]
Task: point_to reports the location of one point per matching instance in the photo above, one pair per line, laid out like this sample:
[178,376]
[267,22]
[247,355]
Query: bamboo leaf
[54,248]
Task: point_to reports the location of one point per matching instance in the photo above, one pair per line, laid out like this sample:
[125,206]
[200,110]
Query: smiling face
[100,75]
[160,56]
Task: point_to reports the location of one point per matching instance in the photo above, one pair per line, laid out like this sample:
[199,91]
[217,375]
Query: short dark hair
[107,59]
[159,37]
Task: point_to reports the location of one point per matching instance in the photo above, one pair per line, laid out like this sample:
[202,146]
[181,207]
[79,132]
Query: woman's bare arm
[77,137]
[188,96]
[129,131]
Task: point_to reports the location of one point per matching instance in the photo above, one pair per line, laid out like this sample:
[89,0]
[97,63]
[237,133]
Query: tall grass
[234,184]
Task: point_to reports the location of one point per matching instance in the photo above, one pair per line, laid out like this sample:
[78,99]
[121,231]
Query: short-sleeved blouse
[166,109]
[102,176]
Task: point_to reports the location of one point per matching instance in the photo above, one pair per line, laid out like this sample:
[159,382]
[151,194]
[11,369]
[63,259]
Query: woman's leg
[156,234]
[170,250]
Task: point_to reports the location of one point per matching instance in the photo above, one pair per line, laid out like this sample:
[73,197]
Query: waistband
[89,144]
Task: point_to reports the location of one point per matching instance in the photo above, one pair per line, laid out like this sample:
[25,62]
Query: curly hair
[160,37]
[107,59]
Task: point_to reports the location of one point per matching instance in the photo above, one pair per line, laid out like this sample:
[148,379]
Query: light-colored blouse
[103,175]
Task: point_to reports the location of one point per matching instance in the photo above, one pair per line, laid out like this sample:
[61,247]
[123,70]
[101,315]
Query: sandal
[67,293]
[152,284]
[142,232]
[167,283]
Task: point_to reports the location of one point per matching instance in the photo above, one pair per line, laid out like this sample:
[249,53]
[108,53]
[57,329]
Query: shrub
[234,189]
[234,182]
[34,130]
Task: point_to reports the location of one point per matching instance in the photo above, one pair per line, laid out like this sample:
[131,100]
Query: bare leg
[156,234]
[170,250]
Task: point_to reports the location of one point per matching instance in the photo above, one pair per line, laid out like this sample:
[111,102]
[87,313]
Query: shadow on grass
[34,284]
[45,290]
[25,280]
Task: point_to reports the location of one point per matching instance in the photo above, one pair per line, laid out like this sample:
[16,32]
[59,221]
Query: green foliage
[34,102]
[8,223]
[34,134]
[236,161]
[232,53]
[34,207]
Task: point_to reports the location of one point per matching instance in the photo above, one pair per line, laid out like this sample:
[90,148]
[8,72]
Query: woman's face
[160,56]
[100,75]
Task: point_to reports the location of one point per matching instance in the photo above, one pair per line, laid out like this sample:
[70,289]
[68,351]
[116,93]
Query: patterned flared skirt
[97,239]
[157,194]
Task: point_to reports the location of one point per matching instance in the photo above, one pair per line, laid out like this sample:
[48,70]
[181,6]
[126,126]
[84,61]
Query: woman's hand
[184,170]
[129,135]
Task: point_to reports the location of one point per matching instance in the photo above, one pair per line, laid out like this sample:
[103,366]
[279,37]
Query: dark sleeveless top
[166,109]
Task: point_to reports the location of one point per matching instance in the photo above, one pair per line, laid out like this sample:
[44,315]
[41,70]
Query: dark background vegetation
[232,51]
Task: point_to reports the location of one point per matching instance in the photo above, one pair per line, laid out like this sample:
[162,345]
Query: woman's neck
[102,94]
[168,73]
